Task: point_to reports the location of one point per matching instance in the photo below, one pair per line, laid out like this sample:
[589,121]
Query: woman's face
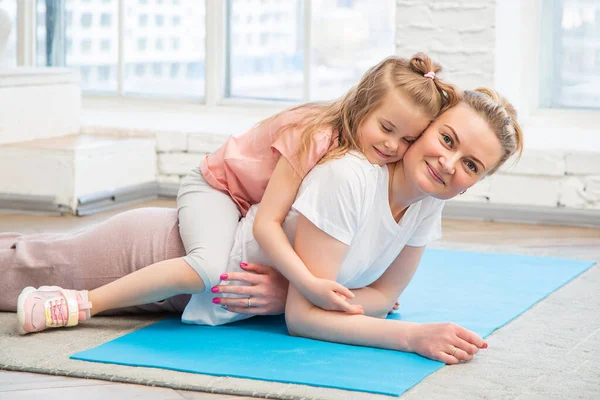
[453,153]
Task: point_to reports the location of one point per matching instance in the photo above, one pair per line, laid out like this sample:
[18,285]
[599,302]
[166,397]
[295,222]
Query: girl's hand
[267,291]
[395,307]
[446,342]
[330,295]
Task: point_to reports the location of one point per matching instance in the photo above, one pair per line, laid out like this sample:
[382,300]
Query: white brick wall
[204,143]
[178,163]
[461,35]
[525,190]
[582,163]
[540,178]
[458,34]
[179,152]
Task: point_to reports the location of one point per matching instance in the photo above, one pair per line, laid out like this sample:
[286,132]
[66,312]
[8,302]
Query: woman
[466,143]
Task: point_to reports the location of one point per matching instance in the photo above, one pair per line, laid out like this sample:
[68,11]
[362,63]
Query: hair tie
[430,74]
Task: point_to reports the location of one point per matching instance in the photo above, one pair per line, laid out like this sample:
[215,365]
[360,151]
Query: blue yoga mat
[479,291]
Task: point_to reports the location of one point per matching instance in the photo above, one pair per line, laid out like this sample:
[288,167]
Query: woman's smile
[434,174]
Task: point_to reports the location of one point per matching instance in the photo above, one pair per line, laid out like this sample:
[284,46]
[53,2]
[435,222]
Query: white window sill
[177,116]
[566,130]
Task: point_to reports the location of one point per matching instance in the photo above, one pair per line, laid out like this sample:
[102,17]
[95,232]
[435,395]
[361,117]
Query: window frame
[215,59]
[518,60]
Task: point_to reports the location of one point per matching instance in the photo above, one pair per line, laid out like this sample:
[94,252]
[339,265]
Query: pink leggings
[92,257]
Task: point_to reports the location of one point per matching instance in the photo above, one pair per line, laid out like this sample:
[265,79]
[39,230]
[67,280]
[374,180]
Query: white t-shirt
[346,198]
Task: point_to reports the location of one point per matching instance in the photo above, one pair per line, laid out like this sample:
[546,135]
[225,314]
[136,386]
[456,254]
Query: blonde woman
[363,225]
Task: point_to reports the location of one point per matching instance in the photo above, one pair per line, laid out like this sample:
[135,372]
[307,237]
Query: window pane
[266,57]
[8,54]
[572,50]
[348,37]
[165,48]
[83,34]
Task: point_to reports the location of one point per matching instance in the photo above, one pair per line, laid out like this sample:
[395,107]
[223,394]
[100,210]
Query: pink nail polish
[217,300]
[243,264]
[215,290]
[223,277]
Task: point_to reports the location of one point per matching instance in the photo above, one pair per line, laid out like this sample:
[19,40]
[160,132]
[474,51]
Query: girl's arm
[267,229]
[323,255]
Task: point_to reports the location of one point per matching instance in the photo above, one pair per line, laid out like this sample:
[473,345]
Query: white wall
[494,43]
[462,35]
[459,34]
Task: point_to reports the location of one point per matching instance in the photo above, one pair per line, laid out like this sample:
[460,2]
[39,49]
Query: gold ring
[249,304]
[453,351]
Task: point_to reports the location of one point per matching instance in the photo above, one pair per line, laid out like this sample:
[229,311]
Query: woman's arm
[323,255]
[378,298]
[267,229]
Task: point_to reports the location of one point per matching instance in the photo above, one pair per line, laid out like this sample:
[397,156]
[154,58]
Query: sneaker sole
[21,309]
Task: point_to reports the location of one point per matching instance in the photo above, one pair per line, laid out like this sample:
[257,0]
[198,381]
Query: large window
[75,33]
[348,37]
[8,55]
[266,49]
[293,50]
[267,46]
[165,48]
[570,54]
[163,43]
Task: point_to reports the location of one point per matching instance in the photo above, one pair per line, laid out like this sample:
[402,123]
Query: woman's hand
[330,295]
[446,342]
[267,291]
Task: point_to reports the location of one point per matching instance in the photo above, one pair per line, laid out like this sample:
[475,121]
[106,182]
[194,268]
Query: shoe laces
[58,310]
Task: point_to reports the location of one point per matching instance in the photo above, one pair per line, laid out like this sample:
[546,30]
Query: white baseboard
[95,203]
[522,214]
[86,205]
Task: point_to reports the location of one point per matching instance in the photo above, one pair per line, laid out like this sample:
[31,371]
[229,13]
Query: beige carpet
[548,352]
[51,356]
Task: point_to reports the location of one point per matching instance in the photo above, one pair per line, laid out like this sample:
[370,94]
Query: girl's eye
[409,141]
[386,129]
[471,165]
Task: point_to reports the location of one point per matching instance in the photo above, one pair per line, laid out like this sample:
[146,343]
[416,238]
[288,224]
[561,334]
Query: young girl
[361,224]
[389,108]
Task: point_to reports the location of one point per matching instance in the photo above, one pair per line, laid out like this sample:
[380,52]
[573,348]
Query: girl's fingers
[344,291]
[343,305]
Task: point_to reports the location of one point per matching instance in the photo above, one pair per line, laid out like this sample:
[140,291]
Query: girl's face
[389,130]
[455,152]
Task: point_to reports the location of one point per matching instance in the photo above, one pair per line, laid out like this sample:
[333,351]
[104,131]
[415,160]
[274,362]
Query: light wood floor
[16,385]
